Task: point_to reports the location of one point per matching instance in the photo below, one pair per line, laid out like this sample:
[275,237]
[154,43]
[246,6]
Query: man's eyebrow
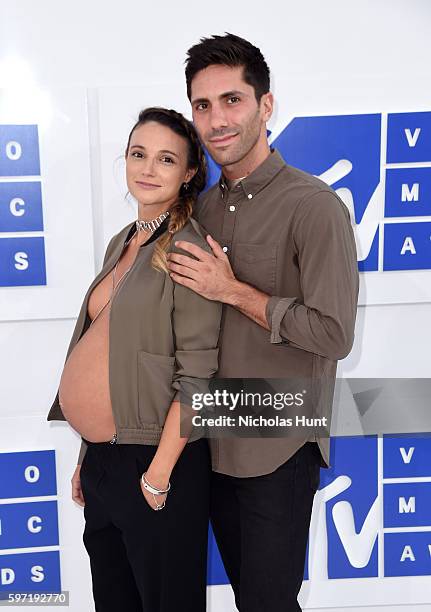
[235,92]
[136,146]
[226,94]
[199,101]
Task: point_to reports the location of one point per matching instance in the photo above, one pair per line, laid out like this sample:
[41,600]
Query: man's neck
[232,183]
[248,164]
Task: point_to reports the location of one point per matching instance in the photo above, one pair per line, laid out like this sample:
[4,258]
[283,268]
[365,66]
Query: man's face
[226,114]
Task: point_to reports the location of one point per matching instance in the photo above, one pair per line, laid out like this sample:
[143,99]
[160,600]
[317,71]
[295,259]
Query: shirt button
[250,195]
[225,249]
[232,208]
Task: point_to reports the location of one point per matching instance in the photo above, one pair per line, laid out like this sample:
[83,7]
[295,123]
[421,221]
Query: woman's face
[156,165]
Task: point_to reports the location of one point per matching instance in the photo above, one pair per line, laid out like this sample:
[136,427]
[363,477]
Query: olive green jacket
[163,340]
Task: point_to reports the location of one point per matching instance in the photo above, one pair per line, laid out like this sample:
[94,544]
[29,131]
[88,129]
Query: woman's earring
[185,186]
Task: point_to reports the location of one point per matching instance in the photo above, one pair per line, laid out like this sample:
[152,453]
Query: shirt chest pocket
[255,264]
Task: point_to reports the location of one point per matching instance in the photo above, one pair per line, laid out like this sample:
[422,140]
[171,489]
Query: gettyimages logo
[233,401]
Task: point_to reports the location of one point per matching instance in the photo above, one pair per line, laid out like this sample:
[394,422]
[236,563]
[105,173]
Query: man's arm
[323,322]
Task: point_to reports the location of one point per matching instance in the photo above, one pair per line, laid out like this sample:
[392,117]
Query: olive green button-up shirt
[288,234]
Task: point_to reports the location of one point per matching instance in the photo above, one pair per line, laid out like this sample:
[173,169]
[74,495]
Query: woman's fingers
[153,500]
[77,494]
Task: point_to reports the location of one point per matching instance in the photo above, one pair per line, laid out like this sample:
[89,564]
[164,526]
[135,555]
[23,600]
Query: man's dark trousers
[261,527]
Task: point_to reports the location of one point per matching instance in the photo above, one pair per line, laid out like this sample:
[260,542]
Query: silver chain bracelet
[151,489]
[154,491]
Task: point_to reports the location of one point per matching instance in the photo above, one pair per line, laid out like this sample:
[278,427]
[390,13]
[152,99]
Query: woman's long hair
[180,212]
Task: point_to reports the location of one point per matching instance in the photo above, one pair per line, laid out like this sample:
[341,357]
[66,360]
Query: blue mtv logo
[344,528]
[373,502]
[372,162]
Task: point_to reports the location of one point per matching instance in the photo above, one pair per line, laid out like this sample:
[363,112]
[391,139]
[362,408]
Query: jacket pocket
[155,391]
[255,264]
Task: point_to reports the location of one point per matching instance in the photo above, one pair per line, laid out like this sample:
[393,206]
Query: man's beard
[248,137]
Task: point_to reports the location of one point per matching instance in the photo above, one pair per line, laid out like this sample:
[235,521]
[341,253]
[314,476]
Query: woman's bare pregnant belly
[84,386]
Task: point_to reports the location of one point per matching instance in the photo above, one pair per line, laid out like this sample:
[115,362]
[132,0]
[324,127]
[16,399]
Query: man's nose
[218,118]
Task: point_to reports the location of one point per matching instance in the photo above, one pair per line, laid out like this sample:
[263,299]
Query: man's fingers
[193,249]
[184,260]
[184,271]
[183,280]
[215,246]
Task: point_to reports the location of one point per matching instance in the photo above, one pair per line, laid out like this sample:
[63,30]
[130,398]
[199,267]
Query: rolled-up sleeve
[196,325]
[82,451]
[323,320]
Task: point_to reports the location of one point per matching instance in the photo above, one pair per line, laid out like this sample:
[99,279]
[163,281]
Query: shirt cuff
[274,312]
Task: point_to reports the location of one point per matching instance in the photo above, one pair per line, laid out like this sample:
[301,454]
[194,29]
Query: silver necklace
[152,225]
[114,287]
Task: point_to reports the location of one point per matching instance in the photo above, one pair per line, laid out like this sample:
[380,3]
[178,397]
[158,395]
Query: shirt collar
[259,178]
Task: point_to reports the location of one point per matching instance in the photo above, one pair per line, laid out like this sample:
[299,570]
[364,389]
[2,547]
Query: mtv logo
[374,499]
[406,506]
[371,161]
[376,495]
[345,521]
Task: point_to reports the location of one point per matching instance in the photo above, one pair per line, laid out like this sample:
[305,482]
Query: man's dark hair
[233,51]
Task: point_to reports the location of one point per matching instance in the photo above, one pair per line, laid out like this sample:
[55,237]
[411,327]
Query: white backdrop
[332,57]
[61,117]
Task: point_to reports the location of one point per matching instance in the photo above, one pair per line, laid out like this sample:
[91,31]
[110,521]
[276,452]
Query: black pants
[144,560]
[261,527]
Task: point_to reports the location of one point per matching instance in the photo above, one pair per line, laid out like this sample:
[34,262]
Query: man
[284,264]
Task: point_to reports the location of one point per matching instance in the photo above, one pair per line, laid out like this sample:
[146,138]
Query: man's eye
[233,100]
[201,106]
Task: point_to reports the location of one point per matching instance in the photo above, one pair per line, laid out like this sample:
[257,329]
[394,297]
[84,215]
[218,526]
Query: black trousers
[144,560]
[261,527]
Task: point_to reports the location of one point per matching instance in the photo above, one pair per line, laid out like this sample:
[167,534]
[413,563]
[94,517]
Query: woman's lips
[147,185]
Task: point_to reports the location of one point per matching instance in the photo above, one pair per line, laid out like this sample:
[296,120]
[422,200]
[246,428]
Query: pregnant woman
[142,342]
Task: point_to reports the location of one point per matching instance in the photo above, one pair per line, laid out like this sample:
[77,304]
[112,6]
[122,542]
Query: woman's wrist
[158,476]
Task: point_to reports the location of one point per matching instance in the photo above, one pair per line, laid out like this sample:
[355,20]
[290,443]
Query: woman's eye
[168,160]
[137,154]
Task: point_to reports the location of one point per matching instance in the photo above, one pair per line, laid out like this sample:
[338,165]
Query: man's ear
[267,105]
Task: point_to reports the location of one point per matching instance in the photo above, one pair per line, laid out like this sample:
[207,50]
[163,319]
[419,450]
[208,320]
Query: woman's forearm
[170,448]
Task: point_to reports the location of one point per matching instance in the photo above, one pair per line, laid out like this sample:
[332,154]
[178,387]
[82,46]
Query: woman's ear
[190,174]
